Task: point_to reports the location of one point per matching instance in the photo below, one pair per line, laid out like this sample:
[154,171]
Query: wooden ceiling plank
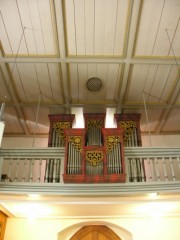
[12,25]
[56,82]
[112,78]
[171,103]
[89,27]
[79,27]
[156,17]
[111,12]
[12,94]
[69,21]
[82,73]
[73,76]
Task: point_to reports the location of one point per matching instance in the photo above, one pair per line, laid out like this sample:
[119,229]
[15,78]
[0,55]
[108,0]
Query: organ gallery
[93,154]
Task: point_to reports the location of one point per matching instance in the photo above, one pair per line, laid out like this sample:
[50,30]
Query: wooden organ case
[94,154]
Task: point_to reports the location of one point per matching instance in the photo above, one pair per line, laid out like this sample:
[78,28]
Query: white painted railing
[32,165]
[152,164]
[47,165]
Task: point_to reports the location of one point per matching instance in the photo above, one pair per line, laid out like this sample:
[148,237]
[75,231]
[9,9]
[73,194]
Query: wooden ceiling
[50,48]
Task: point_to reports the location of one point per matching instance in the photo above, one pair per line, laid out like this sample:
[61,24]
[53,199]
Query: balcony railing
[144,166]
[152,164]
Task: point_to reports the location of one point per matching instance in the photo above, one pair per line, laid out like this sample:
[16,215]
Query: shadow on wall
[68,232]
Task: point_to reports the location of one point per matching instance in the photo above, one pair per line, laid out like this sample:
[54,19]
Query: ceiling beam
[62,47]
[106,59]
[90,105]
[133,23]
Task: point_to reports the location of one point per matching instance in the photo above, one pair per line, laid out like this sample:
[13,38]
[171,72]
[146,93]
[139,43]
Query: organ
[93,154]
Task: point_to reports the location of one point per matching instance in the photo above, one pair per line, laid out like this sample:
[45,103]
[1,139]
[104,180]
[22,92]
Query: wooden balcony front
[147,170]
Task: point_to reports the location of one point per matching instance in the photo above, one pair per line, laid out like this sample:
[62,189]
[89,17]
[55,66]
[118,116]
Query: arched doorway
[95,232]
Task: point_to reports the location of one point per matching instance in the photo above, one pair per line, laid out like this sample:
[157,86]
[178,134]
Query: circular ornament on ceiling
[94,84]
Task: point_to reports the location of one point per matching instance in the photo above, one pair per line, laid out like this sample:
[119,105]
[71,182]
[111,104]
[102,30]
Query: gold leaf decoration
[112,142]
[77,142]
[94,157]
[129,127]
[95,124]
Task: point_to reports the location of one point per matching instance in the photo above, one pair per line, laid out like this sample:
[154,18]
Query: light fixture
[2,125]
[153,195]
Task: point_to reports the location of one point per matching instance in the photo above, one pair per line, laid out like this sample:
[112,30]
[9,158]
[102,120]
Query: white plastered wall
[127,228]
[147,141]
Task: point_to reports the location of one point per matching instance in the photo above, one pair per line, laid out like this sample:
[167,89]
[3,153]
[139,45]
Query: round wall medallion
[94,84]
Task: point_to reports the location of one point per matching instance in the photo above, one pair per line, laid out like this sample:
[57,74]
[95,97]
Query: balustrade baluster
[142,169]
[134,170]
[157,169]
[172,168]
[54,169]
[40,166]
[24,170]
[10,169]
[178,160]
[31,170]
[58,170]
[138,169]
[17,170]
[164,169]
[130,170]
[150,169]
[47,171]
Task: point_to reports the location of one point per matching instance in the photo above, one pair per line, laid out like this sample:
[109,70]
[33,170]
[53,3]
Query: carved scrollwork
[94,157]
[95,124]
[59,128]
[129,127]
[112,142]
[77,142]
